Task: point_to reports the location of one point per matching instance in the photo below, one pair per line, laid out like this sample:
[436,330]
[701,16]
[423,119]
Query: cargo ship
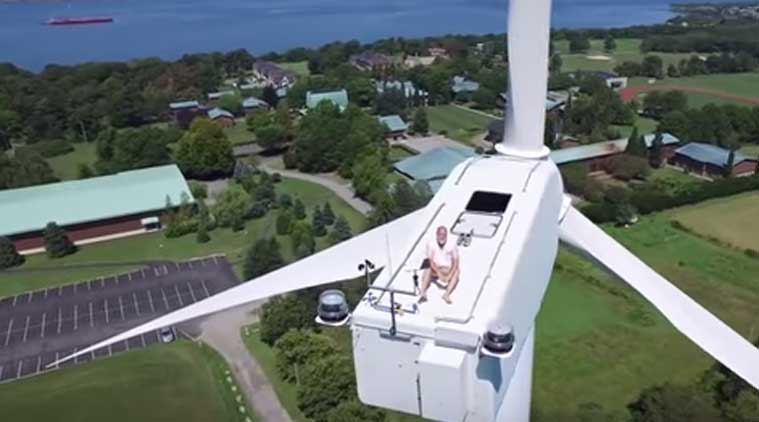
[79,21]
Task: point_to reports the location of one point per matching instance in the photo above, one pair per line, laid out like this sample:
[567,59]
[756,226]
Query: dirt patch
[629,94]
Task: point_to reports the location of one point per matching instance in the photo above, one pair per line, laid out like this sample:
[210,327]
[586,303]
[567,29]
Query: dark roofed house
[221,117]
[272,74]
[612,80]
[184,112]
[251,104]
[369,61]
[710,160]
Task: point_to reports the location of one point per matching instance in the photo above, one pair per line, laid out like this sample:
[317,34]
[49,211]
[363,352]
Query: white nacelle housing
[431,361]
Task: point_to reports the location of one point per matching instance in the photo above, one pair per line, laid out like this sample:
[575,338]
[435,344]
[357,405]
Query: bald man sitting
[443,258]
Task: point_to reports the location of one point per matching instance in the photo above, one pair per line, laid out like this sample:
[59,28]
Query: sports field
[596,59]
[177,382]
[732,220]
[457,123]
[733,88]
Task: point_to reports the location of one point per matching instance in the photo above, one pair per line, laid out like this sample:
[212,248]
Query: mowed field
[599,342]
[178,382]
[457,123]
[66,167]
[733,88]
[122,255]
[596,59]
[732,221]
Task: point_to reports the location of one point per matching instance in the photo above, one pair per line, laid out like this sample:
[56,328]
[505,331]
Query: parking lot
[37,328]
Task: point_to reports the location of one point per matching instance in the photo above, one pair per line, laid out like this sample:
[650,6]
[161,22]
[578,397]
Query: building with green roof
[96,208]
[338,98]
[395,125]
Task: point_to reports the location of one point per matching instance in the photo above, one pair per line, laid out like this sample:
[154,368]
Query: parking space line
[60,319]
[57,365]
[39,363]
[15,298]
[26,328]
[89,285]
[142,336]
[8,335]
[102,282]
[176,264]
[189,264]
[110,350]
[156,272]
[1,372]
[117,280]
[60,291]
[129,275]
[92,321]
[29,297]
[20,365]
[126,343]
[142,271]
[216,260]
[192,293]
[76,359]
[165,269]
[150,299]
[136,303]
[76,317]
[121,306]
[44,295]
[179,296]
[203,262]
[105,307]
[42,333]
[203,282]
[165,300]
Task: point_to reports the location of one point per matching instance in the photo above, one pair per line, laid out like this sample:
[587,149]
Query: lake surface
[170,28]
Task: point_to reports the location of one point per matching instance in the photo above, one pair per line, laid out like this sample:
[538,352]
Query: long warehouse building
[90,210]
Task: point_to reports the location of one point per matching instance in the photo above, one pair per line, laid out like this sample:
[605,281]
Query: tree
[341,231]
[284,223]
[556,64]
[673,403]
[636,146]
[302,237]
[198,190]
[420,123]
[9,256]
[673,71]
[269,95]
[232,103]
[204,221]
[610,44]
[271,137]
[627,167]
[298,347]
[262,257]
[369,175]
[57,243]
[744,408]
[83,171]
[656,154]
[484,98]
[25,169]
[299,210]
[204,152]
[361,90]
[328,216]
[730,164]
[131,149]
[390,101]
[355,411]
[652,67]
[232,205]
[579,43]
[324,384]
[406,198]
[317,222]
[283,313]
[549,137]
[285,201]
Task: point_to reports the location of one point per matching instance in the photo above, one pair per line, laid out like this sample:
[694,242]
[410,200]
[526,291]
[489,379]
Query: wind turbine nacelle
[456,362]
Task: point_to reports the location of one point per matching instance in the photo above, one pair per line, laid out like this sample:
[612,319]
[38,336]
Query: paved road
[343,190]
[222,332]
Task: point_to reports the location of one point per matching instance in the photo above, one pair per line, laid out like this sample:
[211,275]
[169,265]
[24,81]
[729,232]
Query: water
[170,28]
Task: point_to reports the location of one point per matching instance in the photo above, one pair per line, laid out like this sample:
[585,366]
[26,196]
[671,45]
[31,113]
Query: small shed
[397,128]
[221,117]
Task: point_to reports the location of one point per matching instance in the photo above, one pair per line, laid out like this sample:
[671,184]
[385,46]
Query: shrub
[198,190]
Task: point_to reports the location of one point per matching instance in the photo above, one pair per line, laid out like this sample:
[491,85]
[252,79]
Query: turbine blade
[340,262]
[528,41]
[694,321]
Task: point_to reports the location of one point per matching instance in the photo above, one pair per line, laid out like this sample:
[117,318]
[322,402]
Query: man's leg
[453,280]
[426,280]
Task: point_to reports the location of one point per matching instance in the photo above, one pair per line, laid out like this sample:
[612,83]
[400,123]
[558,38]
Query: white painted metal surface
[690,318]
[529,34]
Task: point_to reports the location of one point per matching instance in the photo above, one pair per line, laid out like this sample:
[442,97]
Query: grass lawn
[459,124]
[730,220]
[122,254]
[300,68]
[178,382]
[398,153]
[600,341]
[239,134]
[672,180]
[66,166]
[644,124]
[628,49]
[738,84]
